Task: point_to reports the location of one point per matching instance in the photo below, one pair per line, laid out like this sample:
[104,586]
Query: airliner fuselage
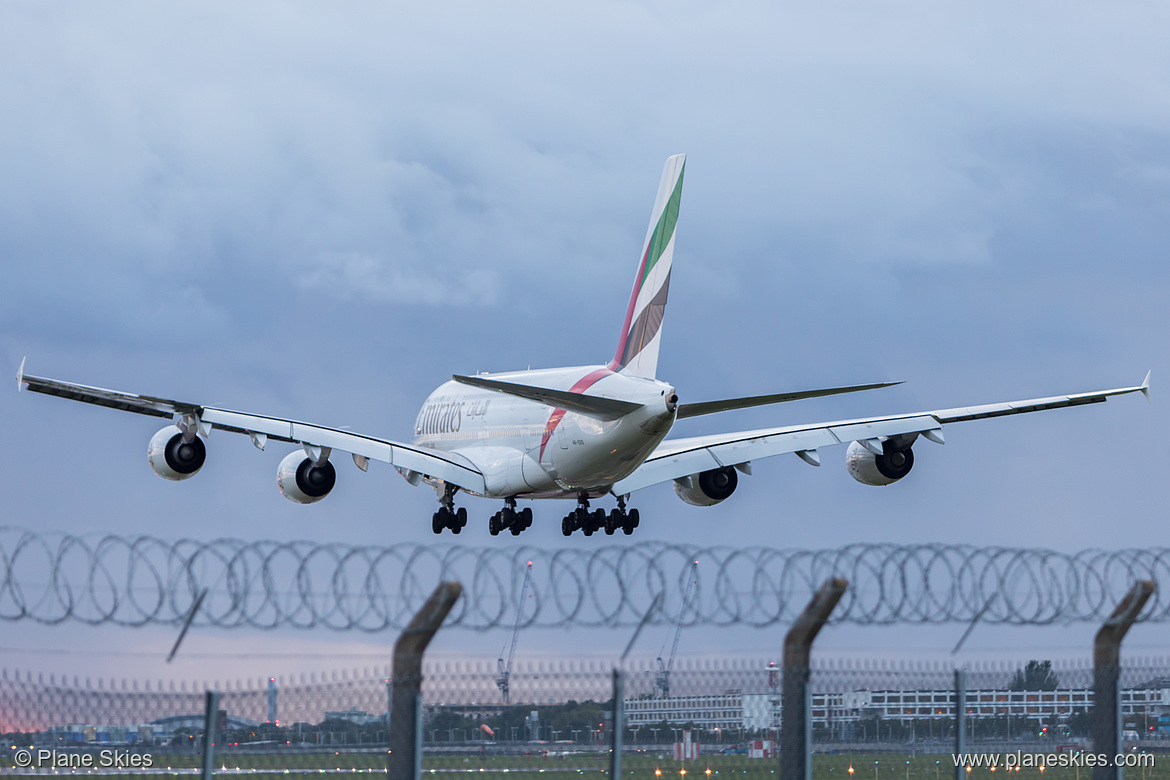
[529,449]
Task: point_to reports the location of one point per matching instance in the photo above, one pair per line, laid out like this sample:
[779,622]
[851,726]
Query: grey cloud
[352,274]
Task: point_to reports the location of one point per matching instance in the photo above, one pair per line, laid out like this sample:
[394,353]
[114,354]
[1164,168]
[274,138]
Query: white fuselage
[526,448]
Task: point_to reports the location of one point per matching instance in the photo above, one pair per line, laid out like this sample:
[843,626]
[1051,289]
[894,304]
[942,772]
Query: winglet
[20,375]
[1145,388]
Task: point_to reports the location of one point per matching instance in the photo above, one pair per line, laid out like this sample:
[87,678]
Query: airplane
[578,433]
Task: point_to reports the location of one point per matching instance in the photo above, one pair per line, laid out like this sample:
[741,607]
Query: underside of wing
[127,402]
[176,452]
[879,453]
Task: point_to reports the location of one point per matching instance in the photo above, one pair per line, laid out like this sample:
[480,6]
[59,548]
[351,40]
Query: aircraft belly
[596,458]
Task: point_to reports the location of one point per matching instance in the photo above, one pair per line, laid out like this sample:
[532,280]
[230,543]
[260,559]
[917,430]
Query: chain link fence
[707,716]
[799,718]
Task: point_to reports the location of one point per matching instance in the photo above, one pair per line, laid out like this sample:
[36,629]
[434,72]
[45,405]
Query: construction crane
[663,678]
[505,670]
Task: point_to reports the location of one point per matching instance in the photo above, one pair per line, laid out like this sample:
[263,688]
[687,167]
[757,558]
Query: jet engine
[303,481]
[707,488]
[173,458]
[885,469]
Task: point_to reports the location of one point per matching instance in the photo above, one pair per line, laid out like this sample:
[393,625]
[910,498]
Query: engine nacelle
[303,481]
[707,488]
[173,458]
[884,469]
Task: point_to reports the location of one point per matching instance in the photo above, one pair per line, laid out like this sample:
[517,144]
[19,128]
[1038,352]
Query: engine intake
[302,481]
[171,457]
[885,469]
[707,488]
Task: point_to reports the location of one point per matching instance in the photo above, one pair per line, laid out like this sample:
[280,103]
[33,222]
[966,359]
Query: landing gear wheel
[567,525]
[615,521]
[507,520]
[631,522]
[447,516]
[584,521]
[494,526]
[526,517]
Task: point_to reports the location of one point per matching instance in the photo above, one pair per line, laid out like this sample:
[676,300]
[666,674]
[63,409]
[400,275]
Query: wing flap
[872,429]
[736,452]
[99,396]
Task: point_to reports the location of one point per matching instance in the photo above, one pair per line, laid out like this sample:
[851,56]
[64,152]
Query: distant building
[762,710]
[355,716]
[718,711]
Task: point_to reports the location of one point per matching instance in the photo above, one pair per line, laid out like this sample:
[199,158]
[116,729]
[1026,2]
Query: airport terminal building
[761,711]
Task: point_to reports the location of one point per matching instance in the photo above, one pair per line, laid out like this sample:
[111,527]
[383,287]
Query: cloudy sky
[321,212]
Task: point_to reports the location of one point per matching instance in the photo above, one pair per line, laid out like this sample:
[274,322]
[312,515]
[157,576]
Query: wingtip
[1145,388]
[20,375]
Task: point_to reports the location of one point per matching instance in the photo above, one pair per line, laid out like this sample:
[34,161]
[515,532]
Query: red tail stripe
[616,363]
[580,386]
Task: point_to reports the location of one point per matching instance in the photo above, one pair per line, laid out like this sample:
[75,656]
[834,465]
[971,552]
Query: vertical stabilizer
[637,352]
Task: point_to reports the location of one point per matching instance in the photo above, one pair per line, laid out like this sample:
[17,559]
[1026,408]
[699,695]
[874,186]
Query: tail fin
[637,351]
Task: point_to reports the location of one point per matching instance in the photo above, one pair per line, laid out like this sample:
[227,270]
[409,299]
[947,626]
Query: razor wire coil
[97,579]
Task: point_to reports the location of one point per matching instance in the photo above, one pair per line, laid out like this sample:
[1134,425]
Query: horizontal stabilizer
[588,405]
[710,407]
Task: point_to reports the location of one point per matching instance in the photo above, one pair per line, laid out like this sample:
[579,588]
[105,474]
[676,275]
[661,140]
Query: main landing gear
[510,517]
[589,522]
[448,516]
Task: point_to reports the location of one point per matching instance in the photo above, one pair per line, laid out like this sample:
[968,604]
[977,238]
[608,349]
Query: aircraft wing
[677,458]
[449,467]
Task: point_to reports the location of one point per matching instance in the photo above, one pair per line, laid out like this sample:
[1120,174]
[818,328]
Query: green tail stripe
[664,230]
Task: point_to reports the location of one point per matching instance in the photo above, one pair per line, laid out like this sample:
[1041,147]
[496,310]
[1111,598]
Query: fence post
[795,720]
[960,720]
[210,726]
[404,761]
[1107,716]
[619,722]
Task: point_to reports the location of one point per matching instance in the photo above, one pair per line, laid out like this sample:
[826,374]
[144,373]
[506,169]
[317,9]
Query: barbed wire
[97,579]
